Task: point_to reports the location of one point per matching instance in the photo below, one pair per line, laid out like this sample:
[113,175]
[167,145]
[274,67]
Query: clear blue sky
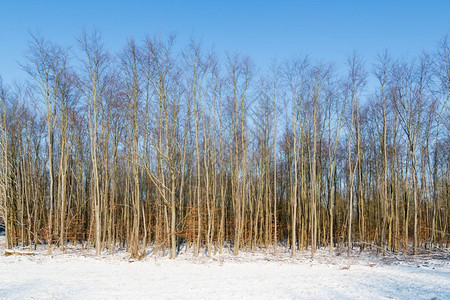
[327,30]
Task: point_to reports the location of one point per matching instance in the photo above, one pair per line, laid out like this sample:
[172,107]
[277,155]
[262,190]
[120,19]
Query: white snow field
[78,274]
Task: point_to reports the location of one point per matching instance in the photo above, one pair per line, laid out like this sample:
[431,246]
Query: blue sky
[326,30]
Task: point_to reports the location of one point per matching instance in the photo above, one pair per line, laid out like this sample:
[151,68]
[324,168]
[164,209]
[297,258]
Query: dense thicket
[161,147]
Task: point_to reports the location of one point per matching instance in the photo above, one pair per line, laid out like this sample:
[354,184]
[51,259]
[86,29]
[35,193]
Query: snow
[79,274]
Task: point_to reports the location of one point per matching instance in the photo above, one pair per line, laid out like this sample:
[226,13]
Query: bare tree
[92,85]
[356,81]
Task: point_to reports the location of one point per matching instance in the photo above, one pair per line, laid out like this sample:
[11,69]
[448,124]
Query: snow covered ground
[78,274]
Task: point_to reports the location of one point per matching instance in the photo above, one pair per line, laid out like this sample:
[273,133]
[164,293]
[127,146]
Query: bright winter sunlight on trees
[167,149]
[170,150]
